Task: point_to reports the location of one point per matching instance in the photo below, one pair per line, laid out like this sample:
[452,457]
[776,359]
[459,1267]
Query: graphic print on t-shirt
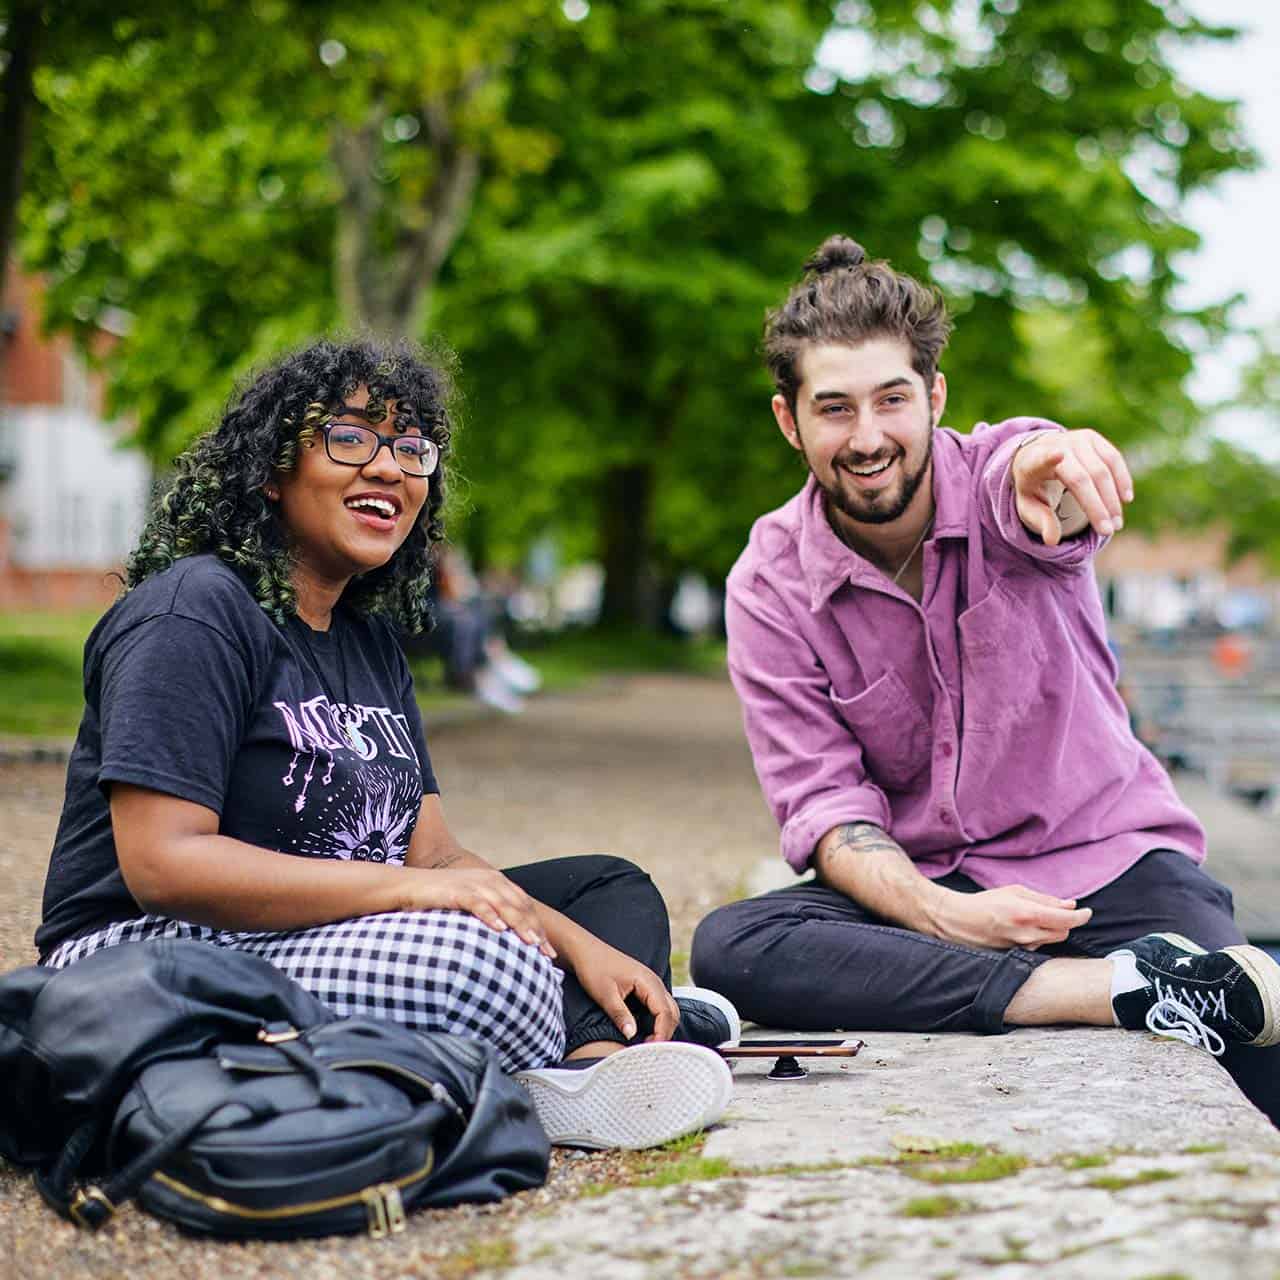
[367,809]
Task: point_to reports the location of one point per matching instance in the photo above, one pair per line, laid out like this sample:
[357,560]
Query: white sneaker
[493,691]
[522,676]
[637,1097]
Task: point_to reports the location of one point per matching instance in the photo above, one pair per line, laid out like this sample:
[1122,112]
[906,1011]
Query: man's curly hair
[216,502]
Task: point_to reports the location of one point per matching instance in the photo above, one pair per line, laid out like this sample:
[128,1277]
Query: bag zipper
[436,1091]
[383,1203]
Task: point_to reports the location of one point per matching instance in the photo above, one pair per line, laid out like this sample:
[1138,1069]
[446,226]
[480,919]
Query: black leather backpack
[234,1103]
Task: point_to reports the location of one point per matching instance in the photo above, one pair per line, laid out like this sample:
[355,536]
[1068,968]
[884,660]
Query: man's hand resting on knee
[863,862]
[1013,916]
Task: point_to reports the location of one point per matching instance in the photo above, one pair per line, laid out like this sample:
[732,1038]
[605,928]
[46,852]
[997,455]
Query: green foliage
[1109,1182]
[42,694]
[1219,483]
[935,1207]
[598,213]
[989,1166]
[1096,1160]
[680,1160]
[669,222]
[481,1255]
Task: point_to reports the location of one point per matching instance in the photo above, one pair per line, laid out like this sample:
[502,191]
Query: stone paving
[1091,1152]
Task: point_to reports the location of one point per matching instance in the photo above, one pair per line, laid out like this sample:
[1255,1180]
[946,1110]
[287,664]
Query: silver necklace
[343,718]
[911,555]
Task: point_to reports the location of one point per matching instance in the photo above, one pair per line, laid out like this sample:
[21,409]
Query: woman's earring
[273,494]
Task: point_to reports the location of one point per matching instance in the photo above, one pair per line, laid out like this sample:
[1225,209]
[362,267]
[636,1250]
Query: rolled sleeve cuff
[1072,553]
[801,833]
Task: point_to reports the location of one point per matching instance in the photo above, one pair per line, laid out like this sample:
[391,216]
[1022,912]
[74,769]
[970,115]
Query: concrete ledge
[1139,1157]
[1041,1093]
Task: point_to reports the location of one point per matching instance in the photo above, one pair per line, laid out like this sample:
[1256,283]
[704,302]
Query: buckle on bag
[277,1033]
[89,1208]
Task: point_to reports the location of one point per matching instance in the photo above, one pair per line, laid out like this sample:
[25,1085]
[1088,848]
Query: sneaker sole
[1264,973]
[638,1097]
[707,996]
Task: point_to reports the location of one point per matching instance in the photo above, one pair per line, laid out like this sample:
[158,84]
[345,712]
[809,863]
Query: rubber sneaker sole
[638,1097]
[1265,975]
[717,1001]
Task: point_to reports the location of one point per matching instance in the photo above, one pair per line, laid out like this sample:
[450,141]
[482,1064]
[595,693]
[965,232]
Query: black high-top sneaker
[706,1017]
[1203,997]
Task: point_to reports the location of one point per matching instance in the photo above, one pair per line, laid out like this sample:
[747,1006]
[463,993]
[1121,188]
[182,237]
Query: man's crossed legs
[807,958]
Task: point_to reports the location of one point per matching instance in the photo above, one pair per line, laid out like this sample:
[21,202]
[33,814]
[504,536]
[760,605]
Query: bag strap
[91,1206]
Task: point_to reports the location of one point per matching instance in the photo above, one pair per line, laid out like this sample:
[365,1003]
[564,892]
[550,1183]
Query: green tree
[598,208]
[1217,482]
[1031,159]
[20,43]
[249,176]
[37,34]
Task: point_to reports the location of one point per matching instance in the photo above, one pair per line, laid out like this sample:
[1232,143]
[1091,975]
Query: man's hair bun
[834,253]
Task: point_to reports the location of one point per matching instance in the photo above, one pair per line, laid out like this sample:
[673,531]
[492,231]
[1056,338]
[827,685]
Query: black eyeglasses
[354,446]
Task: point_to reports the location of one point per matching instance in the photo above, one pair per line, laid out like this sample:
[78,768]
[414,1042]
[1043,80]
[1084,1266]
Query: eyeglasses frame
[384,442]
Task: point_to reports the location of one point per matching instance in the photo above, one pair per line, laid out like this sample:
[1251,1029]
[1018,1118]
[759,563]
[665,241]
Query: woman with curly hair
[246,699]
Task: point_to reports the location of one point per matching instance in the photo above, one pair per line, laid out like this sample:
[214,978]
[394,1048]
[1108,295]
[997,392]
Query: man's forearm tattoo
[860,837]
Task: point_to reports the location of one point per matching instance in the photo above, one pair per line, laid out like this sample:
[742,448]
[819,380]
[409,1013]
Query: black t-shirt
[301,741]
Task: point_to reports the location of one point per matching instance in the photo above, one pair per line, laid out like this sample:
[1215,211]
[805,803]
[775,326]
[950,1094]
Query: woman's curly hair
[216,502]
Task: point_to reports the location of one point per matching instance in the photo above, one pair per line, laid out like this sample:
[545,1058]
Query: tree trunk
[22,44]
[626,507]
[389,292]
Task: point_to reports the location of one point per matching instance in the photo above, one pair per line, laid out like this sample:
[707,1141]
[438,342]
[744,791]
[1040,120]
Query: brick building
[1183,578]
[72,498]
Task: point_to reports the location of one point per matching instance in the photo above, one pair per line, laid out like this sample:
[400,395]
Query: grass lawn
[40,679]
[41,654]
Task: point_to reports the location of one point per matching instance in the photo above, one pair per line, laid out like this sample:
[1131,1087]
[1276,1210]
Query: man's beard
[871,508]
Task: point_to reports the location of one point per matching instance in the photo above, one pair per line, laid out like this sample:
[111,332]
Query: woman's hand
[609,977]
[485,893]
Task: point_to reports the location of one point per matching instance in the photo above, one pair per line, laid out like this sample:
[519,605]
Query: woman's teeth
[378,506]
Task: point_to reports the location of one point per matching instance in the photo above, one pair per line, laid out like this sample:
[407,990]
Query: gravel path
[652,768]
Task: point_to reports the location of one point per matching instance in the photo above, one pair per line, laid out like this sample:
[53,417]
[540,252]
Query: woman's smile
[375,509]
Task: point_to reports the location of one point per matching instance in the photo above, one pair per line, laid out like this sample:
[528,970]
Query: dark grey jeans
[774,957]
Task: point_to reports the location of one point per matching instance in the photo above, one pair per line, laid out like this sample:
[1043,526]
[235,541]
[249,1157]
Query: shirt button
[946,750]
[945,815]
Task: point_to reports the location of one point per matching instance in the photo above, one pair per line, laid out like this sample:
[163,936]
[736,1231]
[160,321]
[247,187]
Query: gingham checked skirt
[428,970]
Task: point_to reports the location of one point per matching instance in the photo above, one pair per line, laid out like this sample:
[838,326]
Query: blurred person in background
[469,638]
[251,769]
[920,650]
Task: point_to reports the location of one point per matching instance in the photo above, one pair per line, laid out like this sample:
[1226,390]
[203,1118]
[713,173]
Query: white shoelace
[1178,1021]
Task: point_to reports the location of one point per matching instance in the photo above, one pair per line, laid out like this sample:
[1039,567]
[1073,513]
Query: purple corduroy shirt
[980,727]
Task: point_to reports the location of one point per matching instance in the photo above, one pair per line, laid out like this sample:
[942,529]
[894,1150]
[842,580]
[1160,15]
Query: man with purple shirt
[920,650]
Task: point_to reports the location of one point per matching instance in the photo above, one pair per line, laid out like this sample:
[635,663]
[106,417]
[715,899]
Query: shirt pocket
[890,728]
[1002,660]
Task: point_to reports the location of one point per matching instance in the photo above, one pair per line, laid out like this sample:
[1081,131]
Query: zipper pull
[385,1209]
[395,1208]
[442,1095]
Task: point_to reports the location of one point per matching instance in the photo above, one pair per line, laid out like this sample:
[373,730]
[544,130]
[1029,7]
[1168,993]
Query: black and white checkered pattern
[428,970]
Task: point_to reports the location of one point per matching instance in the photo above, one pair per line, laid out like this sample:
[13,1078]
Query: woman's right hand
[485,893]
